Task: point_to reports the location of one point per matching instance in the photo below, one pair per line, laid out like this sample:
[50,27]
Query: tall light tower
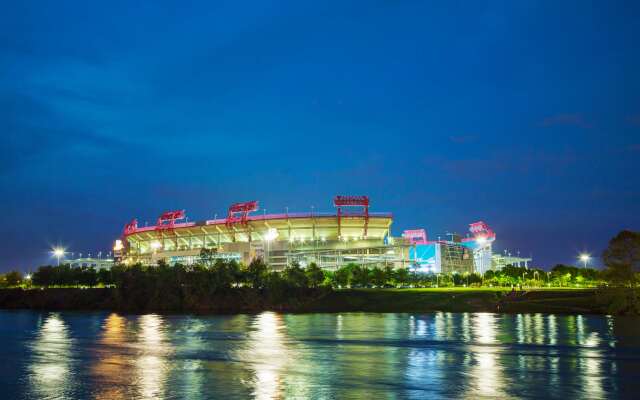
[271,235]
[584,257]
[58,252]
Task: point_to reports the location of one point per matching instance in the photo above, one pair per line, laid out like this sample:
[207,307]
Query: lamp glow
[58,252]
[585,257]
[271,234]
[118,245]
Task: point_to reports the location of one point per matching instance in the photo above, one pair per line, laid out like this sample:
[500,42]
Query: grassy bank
[246,300]
[461,300]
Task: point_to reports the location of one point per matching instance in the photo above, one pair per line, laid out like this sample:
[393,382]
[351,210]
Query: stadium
[352,234]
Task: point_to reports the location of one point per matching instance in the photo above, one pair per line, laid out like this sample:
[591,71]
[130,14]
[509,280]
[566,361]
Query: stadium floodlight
[585,257]
[271,234]
[155,245]
[58,252]
[481,240]
[27,277]
[118,245]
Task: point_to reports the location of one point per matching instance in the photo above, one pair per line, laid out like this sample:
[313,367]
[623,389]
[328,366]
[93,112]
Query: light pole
[271,234]
[584,257]
[58,252]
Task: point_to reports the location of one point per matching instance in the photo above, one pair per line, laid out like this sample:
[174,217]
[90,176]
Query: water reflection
[359,355]
[151,364]
[486,374]
[269,355]
[111,367]
[50,368]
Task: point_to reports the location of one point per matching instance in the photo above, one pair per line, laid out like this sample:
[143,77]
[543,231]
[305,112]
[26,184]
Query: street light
[57,253]
[584,257]
[271,234]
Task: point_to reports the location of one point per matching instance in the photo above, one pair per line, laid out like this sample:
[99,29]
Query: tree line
[622,260]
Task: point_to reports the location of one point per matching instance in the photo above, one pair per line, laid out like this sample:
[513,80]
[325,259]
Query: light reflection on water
[111,369]
[50,367]
[267,355]
[153,357]
[352,355]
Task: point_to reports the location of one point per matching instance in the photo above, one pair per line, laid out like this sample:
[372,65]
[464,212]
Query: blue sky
[522,114]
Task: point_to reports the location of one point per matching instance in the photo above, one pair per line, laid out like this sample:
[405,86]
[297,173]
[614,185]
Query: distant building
[455,254]
[442,257]
[97,263]
[499,261]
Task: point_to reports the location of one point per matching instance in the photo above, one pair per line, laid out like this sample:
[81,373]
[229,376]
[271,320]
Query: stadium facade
[351,234]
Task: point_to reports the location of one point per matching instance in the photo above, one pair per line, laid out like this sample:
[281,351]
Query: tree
[208,256]
[389,275]
[222,274]
[255,273]
[13,278]
[295,276]
[378,277]
[44,276]
[360,276]
[105,277]
[315,275]
[342,277]
[622,258]
[89,277]
[402,276]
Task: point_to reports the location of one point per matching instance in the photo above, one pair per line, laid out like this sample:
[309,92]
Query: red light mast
[130,228]
[352,201]
[241,209]
[167,220]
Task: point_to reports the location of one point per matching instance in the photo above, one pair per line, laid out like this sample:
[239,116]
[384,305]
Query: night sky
[523,114]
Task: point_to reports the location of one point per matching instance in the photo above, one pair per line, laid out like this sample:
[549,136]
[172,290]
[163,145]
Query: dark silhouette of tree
[315,275]
[105,277]
[255,273]
[342,277]
[402,276]
[13,278]
[89,277]
[45,276]
[378,277]
[295,276]
[389,275]
[208,256]
[622,258]
[360,276]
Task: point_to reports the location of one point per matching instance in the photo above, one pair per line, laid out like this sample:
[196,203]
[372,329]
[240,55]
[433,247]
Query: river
[324,356]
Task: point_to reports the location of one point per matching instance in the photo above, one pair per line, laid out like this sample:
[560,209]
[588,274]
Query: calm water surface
[440,355]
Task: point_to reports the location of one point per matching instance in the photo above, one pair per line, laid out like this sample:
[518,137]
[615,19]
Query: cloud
[31,127]
[566,120]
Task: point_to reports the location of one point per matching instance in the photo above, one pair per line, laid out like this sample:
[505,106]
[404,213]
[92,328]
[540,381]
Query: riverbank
[245,300]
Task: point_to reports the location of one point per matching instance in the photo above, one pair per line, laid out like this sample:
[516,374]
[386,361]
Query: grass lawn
[470,289]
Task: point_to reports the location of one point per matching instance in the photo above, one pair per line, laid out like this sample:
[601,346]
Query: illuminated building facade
[455,254]
[351,234]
